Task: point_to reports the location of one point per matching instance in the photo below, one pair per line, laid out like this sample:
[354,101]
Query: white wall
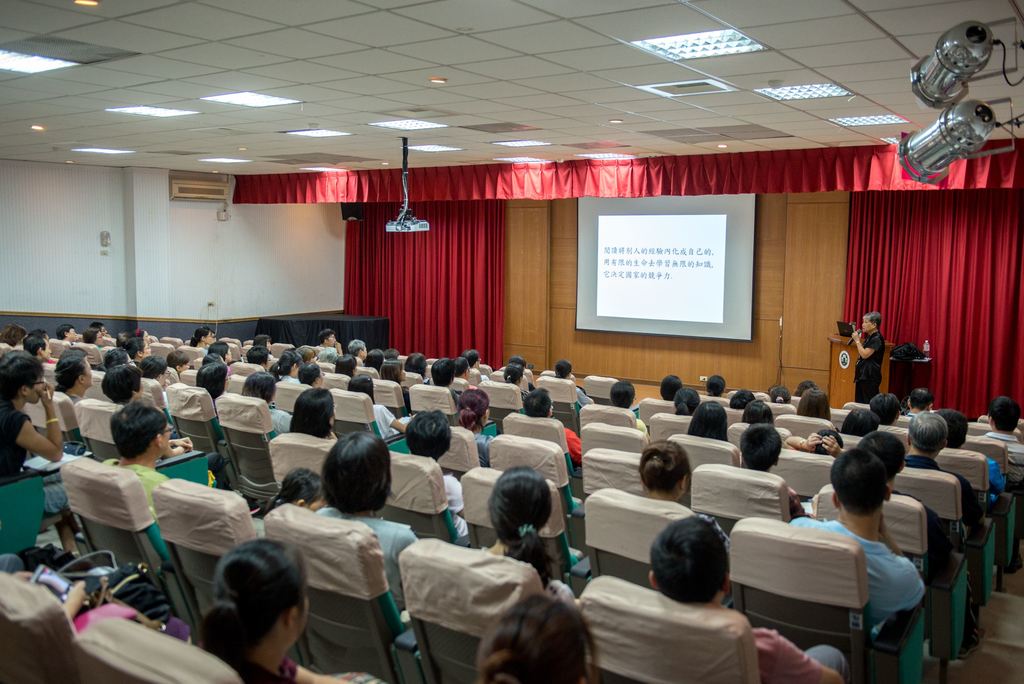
[167,259]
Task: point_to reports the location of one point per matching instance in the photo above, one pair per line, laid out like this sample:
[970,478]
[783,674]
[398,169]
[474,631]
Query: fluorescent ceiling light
[521,143]
[891,141]
[317,133]
[322,169]
[247,99]
[606,155]
[409,124]
[225,160]
[101,150]
[152,111]
[434,148]
[30,64]
[873,120]
[804,92]
[697,45]
[523,160]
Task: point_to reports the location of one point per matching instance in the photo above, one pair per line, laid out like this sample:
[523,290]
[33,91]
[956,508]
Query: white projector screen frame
[736,280]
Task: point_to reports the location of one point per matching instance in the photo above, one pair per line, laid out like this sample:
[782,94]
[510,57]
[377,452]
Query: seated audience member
[142,437]
[100,328]
[306,353]
[804,386]
[825,442]
[740,399]
[391,354]
[310,374]
[1003,417]
[441,375]
[122,384]
[461,368]
[521,362]
[122,338]
[12,334]
[115,357]
[73,374]
[814,404]
[223,350]
[921,401]
[563,371]
[259,611]
[709,420]
[327,339]
[927,437]
[387,425]
[622,395]
[356,483]
[760,446]
[154,368]
[429,434]
[300,487]
[519,508]
[392,370]
[66,333]
[213,377]
[956,435]
[38,347]
[758,412]
[327,355]
[178,361]
[357,348]
[211,358]
[886,407]
[859,422]
[287,367]
[264,386]
[137,349]
[314,413]
[539,639]
[686,400]
[665,474]
[417,363]
[258,356]
[202,338]
[779,395]
[715,385]
[670,384]
[474,412]
[346,365]
[689,564]
[472,357]
[91,335]
[861,487]
[40,332]
[261,341]
[537,404]
[513,375]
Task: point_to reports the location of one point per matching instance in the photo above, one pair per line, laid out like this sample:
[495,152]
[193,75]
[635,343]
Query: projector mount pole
[405,180]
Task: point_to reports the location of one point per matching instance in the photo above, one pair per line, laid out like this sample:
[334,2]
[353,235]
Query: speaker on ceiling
[351,211]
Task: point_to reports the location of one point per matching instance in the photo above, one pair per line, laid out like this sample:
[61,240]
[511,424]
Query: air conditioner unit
[206,190]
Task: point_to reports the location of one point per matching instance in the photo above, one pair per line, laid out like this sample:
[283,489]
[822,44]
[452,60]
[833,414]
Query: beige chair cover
[94,419]
[608,468]
[287,394]
[413,379]
[902,421]
[508,451]
[462,455]
[244,370]
[279,348]
[487,585]
[477,485]
[502,395]
[650,407]
[736,430]
[803,426]
[736,493]
[417,484]
[173,341]
[897,430]
[153,393]
[368,372]
[645,636]
[202,518]
[781,409]
[93,355]
[35,634]
[160,349]
[460,384]
[106,494]
[609,415]
[336,381]
[389,393]
[96,390]
[937,490]
[775,557]
[352,407]
[851,405]
[496,376]
[664,425]
[65,409]
[245,414]
[717,400]
[701,450]
[485,369]
[298,450]
[236,383]
[37,414]
[191,352]
[626,524]
[57,347]
[598,386]
[905,519]
[970,464]
[562,391]
[342,556]
[188,377]
[190,403]
[548,429]
[474,377]
[838,417]
[600,436]
[850,441]
[733,416]
[805,473]
[992,448]
[431,398]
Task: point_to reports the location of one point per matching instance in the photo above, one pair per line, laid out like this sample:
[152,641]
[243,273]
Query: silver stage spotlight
[941,77]
[960,131]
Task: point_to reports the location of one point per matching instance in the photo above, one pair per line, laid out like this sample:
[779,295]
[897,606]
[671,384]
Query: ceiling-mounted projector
[406,222]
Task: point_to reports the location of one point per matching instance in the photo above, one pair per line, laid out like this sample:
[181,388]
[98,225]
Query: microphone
[855,331]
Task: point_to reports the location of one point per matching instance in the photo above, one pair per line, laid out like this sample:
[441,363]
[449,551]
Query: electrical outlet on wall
[210,305]
[702,378]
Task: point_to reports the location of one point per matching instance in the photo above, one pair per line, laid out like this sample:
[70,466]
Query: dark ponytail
[283,367]
[520,506]
[662,466]
[198,335]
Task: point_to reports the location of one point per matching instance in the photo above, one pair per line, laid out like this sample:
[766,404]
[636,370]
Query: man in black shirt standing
[870,348]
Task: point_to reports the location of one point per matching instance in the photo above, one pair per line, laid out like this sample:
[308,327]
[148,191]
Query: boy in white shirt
[429,434]
[387,425]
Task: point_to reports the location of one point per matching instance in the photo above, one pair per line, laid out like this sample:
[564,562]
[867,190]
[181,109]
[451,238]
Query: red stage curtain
[871,167]
[946,267]
[444,289]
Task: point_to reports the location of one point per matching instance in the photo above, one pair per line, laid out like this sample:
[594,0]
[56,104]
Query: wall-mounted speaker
[351,211]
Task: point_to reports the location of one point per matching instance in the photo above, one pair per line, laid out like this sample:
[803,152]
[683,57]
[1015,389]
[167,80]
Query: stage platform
[300,330]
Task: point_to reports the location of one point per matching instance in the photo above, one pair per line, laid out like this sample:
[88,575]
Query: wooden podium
[842,369]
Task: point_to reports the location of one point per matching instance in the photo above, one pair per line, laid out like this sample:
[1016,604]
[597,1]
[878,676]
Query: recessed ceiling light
[697,45]
[317,133]
[31,64]
[891,141]
[242,149]
[322,169]
[225,160]
[161,112]
[615,121]
[703,86]
[69,161]
[440,80]
[248,99]
[37,127]
[873,120]
[722,146]
[409,124]
[521,143]
[434,148]
[523,160]
[88,3]
[606,155]
[804,92]
[101,150]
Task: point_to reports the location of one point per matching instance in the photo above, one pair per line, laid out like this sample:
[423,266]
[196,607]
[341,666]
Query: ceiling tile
[222,55]
[428,96]
[238,81]
[665,72]
[118,34]
[161,67]
[456,50]
[302,72]
[815,32]
[668,20]
[292,13]
[109,8]
[296,43]
[540,38]
[35,18]
[878,50]
[494,90]
[203,21]
[544,101]
[379,29]
[366,85]
[613,94]
[743,13]
[473,15]
[181,89]
[940,16]
[8,35]
[515,67]
[749,63]
[564,83]
[898,68]
[374,62]
[583,8]
[766,79]
[421,77]
[107,77]
[611,57]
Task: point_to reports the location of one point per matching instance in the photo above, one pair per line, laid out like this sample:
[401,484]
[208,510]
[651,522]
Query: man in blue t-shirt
[860,483]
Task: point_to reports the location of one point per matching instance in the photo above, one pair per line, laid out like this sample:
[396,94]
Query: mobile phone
[52,580]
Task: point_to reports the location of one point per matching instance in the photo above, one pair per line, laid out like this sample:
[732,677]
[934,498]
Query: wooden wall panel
[527,240]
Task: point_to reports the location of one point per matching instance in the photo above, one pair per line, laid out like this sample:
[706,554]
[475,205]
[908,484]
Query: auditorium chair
[448,624]
[96,390]
[235,349]
[278,348]
[160,349]
[459,385]
[368,372]
[65,411]
[235,384]
[36,635]
[462,456]
[804,473]
[292,450]
[389,393]
[898,430]
[172,376]
[701,450]
[287,394]
[524,384]
[418,499]
[4,348]
[21,512]
[433,398]
[600,436]
[608,415]
[248,430]
[838,417]
[197,363]
[195,417]
[721,401]
[736,430]
[850,441]
[549,430]
[57,347]
[243,369]
[173,341]
[93,355]
[812,586]
[199,524]
[504,399]
[412,379]
[781,409]
[599,388]
[564,404]
[474,377]
[192,353]
[326,367]
[336,381]
[608,468]
[93,418]
[803,426]
[187,377]
[733,416]
[353,619]
[851,405]
[485,370]
[353,412]
[642,636]
[651,407]
[620,530]
[731,494]
[992,448]
[664,425]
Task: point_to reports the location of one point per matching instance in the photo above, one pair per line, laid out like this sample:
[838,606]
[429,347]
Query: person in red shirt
[537,404]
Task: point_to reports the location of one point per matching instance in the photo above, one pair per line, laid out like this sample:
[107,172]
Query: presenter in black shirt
[870,348]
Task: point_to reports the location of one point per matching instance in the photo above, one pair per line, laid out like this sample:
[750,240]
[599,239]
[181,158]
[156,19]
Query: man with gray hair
[357,348]
[926,437]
